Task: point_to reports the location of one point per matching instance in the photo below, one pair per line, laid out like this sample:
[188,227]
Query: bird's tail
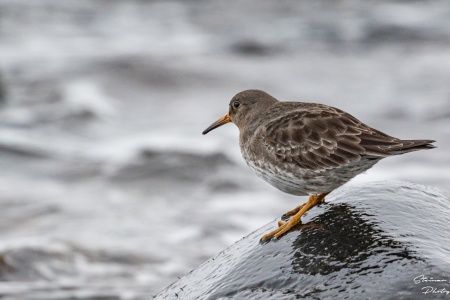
[411,145]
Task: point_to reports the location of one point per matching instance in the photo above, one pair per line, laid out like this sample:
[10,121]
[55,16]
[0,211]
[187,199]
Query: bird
[306,149]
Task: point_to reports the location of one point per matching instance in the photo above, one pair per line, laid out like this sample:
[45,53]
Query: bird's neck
[249,126]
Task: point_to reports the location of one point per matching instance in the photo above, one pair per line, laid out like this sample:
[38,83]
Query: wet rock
[382,240]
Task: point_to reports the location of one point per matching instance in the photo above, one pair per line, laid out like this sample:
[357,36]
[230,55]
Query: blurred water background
[108,190]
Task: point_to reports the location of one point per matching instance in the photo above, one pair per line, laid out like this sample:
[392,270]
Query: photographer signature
[431,289]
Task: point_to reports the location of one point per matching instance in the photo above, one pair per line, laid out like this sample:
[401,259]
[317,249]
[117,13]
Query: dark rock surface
[368,242]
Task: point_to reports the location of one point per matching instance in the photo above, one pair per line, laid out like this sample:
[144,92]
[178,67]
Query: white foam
[85,96]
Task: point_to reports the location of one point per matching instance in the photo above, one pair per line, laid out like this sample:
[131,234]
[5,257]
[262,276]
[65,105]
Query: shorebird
[306,149]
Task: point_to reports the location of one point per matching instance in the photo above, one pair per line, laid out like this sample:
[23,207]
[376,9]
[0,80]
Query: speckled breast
[294,180]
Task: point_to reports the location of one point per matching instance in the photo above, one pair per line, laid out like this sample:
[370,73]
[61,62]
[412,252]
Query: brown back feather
[316,137]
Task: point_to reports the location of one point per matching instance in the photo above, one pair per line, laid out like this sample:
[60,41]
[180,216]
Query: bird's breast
[293,179]
[278,175]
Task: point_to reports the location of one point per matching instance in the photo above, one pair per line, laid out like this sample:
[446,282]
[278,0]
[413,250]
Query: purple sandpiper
[306,148]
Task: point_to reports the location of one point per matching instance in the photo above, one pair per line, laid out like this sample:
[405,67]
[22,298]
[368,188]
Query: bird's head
[243,108]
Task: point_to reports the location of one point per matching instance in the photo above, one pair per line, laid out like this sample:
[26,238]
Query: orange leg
[285,226]
[292,212]
[298,208]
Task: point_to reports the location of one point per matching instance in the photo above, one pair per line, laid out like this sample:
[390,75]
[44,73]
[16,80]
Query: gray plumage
[308,148]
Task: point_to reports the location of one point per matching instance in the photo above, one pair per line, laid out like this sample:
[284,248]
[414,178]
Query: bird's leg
[285,226]
[322,199]
[297,209]
[292,211]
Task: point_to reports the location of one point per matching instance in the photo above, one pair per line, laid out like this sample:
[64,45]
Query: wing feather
[325,138]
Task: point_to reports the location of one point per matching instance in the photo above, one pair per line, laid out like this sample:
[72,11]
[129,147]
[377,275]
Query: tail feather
[378,144]
[406,146]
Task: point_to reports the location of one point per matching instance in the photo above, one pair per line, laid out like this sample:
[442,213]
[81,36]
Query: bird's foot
[283,228]
[291,212]
[322,197]
[297,212]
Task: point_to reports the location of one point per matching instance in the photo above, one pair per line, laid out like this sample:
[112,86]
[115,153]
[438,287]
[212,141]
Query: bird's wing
[326,138]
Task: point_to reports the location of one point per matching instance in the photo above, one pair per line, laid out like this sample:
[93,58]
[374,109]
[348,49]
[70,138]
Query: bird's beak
[222,121]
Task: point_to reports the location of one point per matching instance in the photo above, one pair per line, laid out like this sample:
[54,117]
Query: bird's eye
[236,104]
